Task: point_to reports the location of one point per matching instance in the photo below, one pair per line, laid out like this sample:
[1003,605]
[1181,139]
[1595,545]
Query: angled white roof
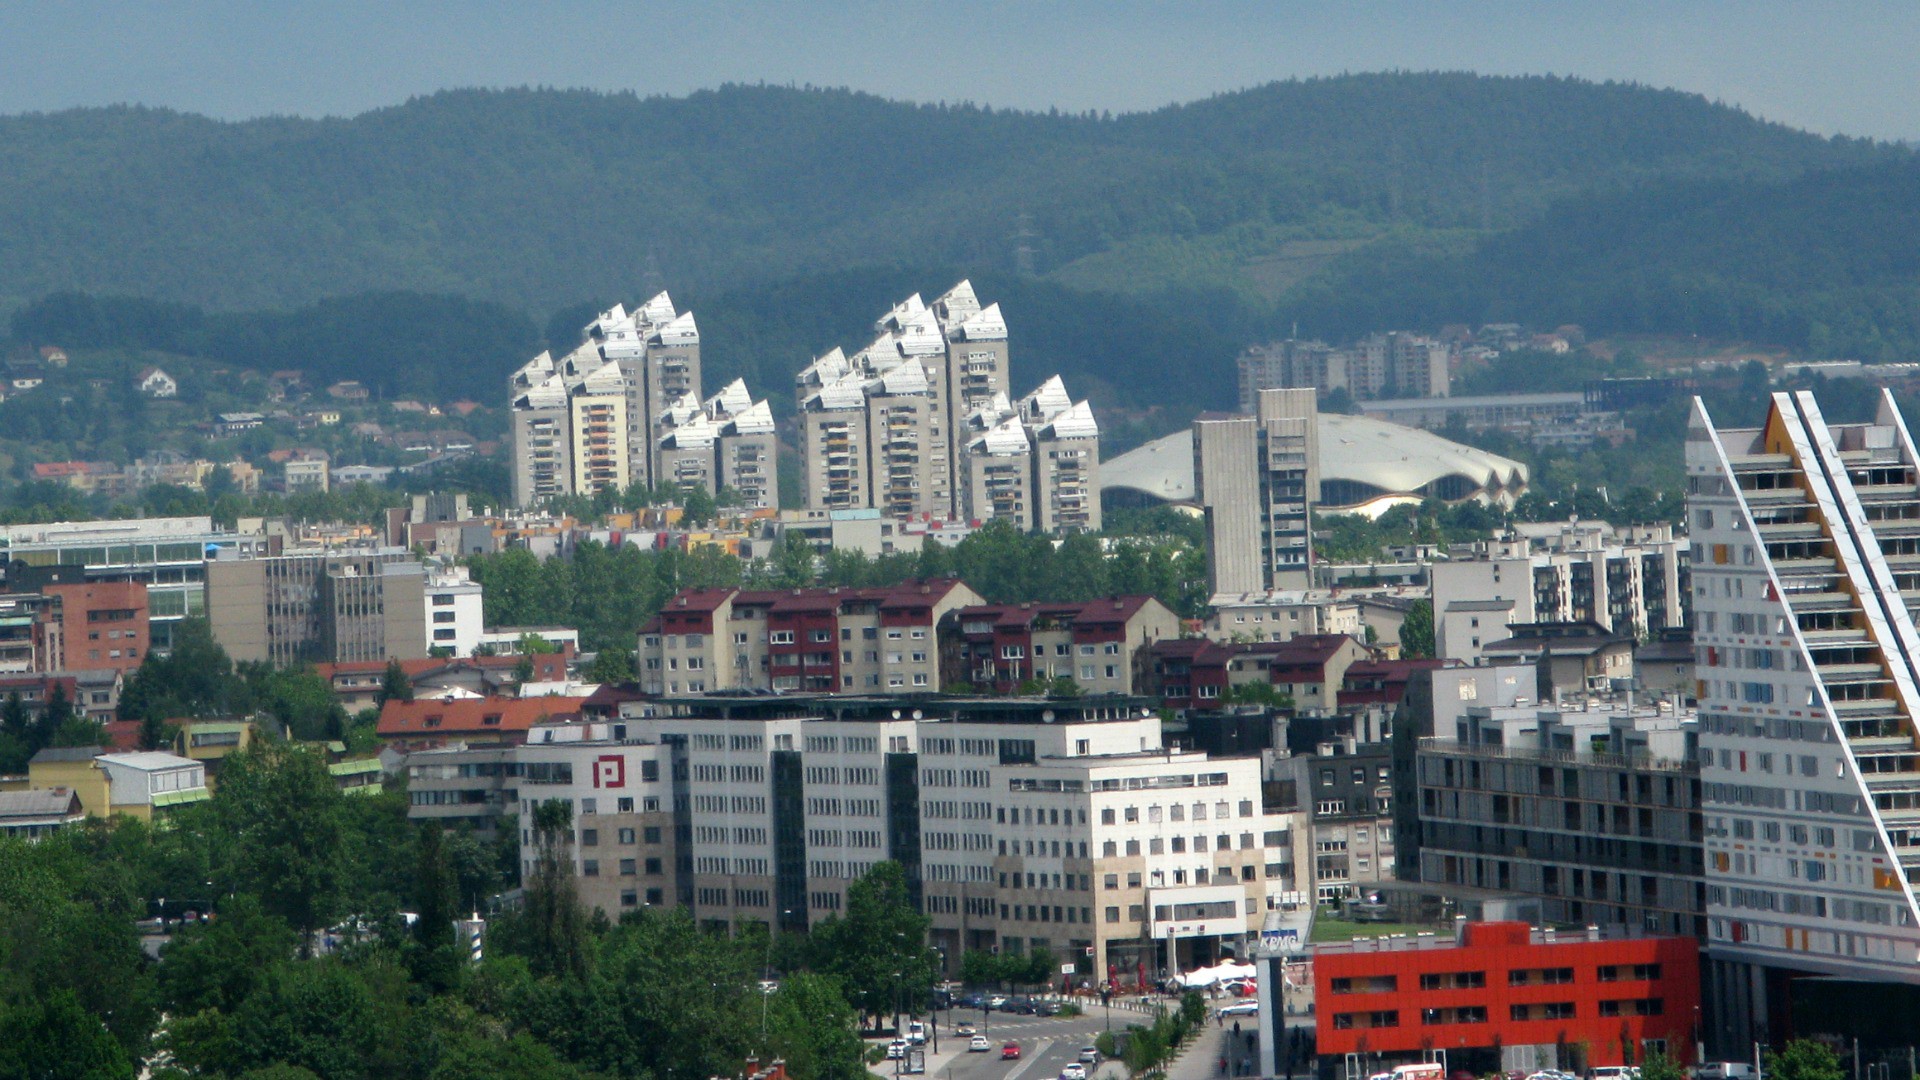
[731,399]
[694,433]
[755,419]
[919,335]
[847,392]
[881,356]
[1049,399]
[548,393]
[985,326]
[680,331]
[584,358]
[1006,438]
[1398,461]
[534,371]
[606,379]
[681,411]
[612,316]
[994,410]
[899,312]
[903,379]
[1074,422]
[657,310]
[958,303]
[824,369]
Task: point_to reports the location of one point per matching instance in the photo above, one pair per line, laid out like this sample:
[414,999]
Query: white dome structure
[1367,466]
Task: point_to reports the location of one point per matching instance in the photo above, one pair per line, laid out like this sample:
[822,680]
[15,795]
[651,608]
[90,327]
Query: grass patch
[1327,930]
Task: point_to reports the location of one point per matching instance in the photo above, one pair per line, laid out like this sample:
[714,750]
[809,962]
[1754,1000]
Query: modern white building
[1629,580]
[455,620]
[1021,823]
[1806,564]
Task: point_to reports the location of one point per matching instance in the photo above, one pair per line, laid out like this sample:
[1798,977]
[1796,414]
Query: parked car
[896,1049]
[964,1028]
[978,1045]
[1010,1052]
[997,1001]
[1046,1008]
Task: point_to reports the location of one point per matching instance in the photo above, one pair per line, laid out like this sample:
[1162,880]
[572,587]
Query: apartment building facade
[1389,365]
[1631,581]
[1097,644]
[1034,462]
[1256,478]
[1595,812]
[1805,541]
[865,641]
[1021,824]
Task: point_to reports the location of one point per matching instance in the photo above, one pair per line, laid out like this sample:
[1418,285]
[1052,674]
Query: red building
[105,624]
[1504,985]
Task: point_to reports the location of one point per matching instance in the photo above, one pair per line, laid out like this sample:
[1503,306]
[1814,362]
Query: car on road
[916,1032]
[997,1001]
[1074,1071]
[1089,1055]
[1046,1008]
[1241,1008]
[1010,1052]
[896,1049]
[964,1027]
[978,1045]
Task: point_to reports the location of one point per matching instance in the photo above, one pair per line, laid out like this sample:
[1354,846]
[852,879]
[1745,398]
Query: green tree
[612,666]
[285,816]
[215,965]
[395,685]
[879,950]
[1659,1066]
[55,1038]
[1416,631]
[1264,694]
[811,1026]
[436,958]
[1804,1059]
[697,505]
[552,925]
[195,679]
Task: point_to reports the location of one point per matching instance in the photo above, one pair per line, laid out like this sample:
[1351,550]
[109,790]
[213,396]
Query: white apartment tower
[1806,564]
[624,407]
[919,422]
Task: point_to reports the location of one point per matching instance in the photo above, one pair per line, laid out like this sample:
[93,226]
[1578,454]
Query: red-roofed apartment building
[996,647]
[870,641]
[1194,673]
[490,721]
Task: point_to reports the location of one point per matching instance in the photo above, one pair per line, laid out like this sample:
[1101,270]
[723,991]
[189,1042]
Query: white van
[916,1033]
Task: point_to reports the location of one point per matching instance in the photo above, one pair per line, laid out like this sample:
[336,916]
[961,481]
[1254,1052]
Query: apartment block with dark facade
[1195,673]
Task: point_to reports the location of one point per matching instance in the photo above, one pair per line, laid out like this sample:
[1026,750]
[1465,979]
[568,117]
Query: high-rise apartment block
[1257,478]
[1806,559]
[919,422]
[624,408]
[1392,365]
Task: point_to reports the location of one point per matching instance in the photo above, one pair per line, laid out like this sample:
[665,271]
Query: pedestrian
[1223,1066]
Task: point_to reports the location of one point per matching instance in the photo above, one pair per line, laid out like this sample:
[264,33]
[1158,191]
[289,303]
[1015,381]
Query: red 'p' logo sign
[610,771]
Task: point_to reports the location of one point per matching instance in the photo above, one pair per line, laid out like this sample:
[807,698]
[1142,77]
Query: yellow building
[135,784]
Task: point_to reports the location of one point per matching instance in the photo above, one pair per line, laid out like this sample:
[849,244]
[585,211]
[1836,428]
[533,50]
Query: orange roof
[471,716]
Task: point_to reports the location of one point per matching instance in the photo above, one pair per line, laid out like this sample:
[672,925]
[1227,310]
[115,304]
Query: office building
[1595,811]
[168,555]
[1257,478]
[1021,824]
[322,607]
[624,407]
[456,617]
[1631,581]
[867,641]
[1805,540]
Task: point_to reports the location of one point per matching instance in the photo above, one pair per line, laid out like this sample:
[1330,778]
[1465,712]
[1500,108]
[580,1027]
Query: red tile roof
[497,717]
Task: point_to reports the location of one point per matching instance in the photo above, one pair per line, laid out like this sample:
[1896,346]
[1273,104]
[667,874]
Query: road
[1047,1044]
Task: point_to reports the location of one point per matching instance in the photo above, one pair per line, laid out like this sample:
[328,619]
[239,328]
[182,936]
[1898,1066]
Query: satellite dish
[1046,716]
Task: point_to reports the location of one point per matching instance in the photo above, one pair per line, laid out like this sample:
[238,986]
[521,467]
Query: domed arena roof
[1367,466]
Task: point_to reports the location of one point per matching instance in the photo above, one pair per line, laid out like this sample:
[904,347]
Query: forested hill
[542,198]
[1827,262]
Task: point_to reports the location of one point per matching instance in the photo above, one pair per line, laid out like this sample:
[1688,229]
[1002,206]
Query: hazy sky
[1826,65]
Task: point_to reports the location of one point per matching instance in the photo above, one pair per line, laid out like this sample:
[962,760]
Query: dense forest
[541,198]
